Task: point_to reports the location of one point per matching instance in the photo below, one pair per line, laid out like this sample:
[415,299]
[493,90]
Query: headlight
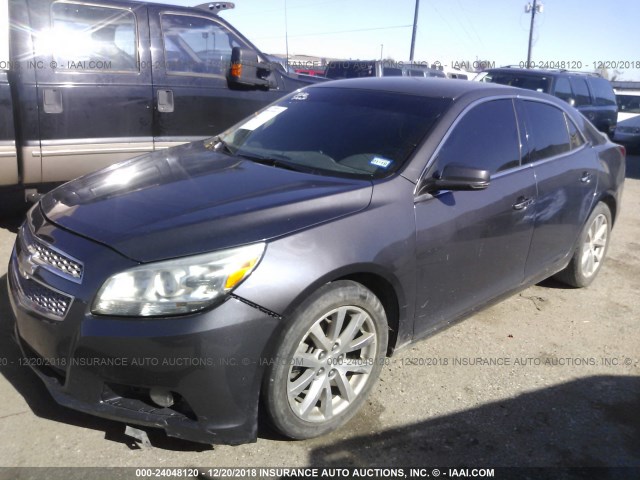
[177,286]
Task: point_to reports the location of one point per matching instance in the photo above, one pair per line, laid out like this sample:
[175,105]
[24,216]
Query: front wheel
[327,362]
[591,250]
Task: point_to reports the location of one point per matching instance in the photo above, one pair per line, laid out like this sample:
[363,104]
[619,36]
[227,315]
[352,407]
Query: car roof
[541,72]
[430,87]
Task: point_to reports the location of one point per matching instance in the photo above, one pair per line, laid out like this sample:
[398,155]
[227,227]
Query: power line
[338,31]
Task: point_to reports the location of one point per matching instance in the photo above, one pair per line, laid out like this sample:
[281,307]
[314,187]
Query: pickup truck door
[191,53]
[94,93]
[8,155]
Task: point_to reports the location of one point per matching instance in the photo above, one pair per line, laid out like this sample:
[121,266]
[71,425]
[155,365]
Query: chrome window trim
[480,101]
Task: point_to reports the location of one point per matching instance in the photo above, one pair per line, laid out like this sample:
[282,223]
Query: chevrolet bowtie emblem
[26,264]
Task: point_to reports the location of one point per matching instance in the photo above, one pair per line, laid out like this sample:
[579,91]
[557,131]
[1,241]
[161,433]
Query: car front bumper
[211,362]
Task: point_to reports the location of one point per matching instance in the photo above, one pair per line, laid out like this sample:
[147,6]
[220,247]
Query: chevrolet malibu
[272,268]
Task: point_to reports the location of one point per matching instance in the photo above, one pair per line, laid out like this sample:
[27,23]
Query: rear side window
[196,45]
[486,137]
[548,129]
[581,90]
[530,82]
[92,38]
[603,92]
[563,89]
[350,69]
[391,72]
[575,139]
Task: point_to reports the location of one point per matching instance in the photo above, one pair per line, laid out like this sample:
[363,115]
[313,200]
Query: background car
[283,260]
[591,94]
[341,69]
[628,103]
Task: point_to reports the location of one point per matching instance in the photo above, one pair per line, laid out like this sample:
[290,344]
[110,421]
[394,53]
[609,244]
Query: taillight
[623,151]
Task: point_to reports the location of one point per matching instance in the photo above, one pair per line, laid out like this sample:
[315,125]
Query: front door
[191,59]
[472,245]
[93,86]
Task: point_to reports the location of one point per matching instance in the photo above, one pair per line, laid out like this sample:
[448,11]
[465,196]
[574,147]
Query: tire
[591,250]
[318,380]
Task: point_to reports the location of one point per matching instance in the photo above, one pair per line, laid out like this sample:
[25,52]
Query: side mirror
[245,69]
[458,177]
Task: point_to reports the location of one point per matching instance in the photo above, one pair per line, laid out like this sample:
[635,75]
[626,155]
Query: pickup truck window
[196,45]
[92,38]
[4,36]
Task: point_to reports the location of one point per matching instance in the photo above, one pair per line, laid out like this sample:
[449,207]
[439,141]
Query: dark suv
[588,92]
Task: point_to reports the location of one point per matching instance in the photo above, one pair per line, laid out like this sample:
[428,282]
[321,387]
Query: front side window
[92,38]
[196,45]
[548,128]
[342,132]
[486,138]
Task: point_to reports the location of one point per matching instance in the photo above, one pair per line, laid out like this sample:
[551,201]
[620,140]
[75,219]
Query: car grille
[58,261]
[44,300]
[53,260]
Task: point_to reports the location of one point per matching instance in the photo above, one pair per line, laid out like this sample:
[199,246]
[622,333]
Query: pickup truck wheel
[328,360]
[591,250]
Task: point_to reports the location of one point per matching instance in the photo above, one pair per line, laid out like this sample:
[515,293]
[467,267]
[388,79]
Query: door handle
[586,177]
[522,203]
[165,101]
[52,100]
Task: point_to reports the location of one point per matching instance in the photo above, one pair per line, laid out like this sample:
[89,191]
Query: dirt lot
[550,377]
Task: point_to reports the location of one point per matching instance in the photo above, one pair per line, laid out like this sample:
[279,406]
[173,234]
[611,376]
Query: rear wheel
[592,248]
[327,362]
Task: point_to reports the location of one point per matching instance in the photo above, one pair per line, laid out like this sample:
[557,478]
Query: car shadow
[590,422]
[27,384]
[11,217]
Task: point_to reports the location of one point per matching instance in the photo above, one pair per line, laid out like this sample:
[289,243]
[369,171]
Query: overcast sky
[578,32]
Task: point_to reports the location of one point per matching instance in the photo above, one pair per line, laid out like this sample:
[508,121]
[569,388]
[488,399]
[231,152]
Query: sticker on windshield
[381,162]
[263,117]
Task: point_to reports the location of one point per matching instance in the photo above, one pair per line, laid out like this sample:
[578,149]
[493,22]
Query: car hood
[189,200]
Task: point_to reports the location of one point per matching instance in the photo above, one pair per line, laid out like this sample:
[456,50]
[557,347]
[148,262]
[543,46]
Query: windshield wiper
[218,145]
[276,161]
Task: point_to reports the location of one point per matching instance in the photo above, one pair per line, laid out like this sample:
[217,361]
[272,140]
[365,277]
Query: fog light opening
[161,397]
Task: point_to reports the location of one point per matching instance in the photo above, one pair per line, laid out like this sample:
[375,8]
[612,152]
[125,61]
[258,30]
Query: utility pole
[286,33]
[381,49]
[535,8]
[415,28]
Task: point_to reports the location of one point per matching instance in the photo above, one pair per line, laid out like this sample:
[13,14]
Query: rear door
[566,173]
[191,53]
[8,155]
[93,86]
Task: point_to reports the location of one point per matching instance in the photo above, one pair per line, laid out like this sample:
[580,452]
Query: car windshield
[530,82]
[335,131]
